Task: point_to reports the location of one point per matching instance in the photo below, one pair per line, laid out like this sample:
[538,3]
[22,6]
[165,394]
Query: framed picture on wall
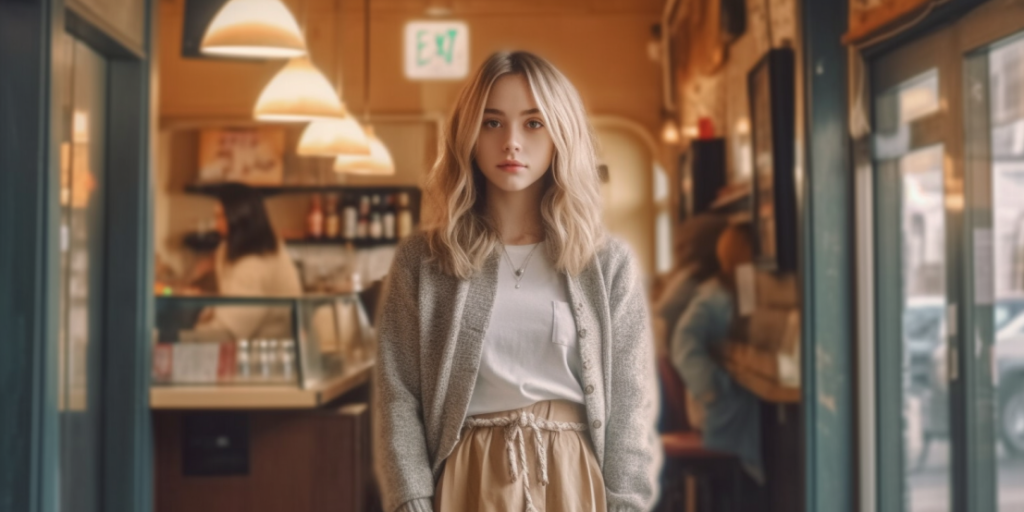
[770,87]
[701,176]
[254,156]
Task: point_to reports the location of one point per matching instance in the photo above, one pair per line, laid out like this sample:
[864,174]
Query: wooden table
[757,370]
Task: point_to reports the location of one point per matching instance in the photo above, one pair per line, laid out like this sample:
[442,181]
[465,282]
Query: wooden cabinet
[297,461]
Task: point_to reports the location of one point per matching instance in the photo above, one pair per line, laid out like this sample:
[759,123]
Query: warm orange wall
[599,44]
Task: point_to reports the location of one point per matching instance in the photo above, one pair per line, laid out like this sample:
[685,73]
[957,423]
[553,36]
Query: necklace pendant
[517,286]
[519,272]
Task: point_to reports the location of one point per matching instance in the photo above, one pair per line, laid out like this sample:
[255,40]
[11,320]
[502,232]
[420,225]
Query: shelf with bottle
[365,216]
[356,244]
[213,189]
[360,218]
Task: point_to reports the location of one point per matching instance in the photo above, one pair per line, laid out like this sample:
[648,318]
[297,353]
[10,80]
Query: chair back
[673,394]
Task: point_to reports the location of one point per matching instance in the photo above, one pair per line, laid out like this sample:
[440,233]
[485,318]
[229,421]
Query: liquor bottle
[389,218]
[363,230]
[404,216]
[243,360]
[376,224]
[351,217]
[261,358]
[332,223]
[315,218]
[273,355]
[287,358]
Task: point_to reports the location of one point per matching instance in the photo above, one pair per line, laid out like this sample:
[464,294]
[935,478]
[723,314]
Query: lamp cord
[339,78]
[366,61]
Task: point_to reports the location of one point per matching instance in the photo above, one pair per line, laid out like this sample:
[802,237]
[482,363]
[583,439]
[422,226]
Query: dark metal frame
[776,68]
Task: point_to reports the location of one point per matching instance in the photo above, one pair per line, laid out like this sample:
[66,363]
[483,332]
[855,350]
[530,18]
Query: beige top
[267,275]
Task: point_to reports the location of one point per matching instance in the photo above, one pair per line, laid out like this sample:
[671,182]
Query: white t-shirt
[266,275]
[531,351]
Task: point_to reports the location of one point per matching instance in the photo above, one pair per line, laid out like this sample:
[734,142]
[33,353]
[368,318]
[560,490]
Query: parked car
[923,318]
[1009,357]
[1008,365]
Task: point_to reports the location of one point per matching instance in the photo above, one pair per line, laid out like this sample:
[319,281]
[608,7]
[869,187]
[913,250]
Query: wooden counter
[260,397]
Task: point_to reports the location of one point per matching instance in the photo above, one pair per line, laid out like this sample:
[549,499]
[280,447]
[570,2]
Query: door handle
[952,354]
[954,362]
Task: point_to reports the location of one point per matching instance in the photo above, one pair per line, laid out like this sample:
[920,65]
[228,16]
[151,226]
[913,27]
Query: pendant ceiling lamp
[254,29]
[333,137]
[298,93]
[378,162]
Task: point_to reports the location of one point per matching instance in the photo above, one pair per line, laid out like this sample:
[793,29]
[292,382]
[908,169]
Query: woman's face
[514,148]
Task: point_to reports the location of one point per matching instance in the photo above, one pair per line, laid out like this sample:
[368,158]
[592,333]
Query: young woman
[251,261]
[695,261]
[515,367]
[728,415]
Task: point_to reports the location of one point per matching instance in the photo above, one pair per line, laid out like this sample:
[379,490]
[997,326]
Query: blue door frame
[827,266]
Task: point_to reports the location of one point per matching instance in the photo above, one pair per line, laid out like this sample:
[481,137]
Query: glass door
[949,235]
[994,138]
[911,146]
[82,256]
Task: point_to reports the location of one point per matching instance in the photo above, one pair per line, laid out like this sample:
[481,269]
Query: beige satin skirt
[536,459]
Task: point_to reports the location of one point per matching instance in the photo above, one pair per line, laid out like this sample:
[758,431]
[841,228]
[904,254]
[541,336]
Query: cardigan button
[583,333]
[597,423]
[589,390]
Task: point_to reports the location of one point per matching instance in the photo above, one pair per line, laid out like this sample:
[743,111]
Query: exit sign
[436,50]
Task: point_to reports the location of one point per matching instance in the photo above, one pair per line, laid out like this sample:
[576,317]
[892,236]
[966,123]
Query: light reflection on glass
[1006,97]
[919,97]
[926,431]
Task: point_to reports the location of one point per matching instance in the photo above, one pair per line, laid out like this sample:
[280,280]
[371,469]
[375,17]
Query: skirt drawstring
[515,444]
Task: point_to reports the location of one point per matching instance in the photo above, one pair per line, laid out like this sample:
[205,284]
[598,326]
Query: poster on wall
[254,156]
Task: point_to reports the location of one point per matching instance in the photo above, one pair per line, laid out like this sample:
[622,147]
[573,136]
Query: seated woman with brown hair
[727,414]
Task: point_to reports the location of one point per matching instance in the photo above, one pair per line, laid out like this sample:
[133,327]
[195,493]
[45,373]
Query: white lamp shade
[298,93]
[254,29]
[333,137]
[378,162]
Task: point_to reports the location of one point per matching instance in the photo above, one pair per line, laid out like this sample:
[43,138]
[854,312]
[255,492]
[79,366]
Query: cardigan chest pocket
[563,325]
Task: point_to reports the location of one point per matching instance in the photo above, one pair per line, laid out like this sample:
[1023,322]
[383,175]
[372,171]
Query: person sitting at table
[730,416]
[696,260]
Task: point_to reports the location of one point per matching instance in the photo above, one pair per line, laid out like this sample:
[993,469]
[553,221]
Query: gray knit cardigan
[430,339]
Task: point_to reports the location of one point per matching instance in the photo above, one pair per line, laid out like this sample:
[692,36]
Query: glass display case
[245,351]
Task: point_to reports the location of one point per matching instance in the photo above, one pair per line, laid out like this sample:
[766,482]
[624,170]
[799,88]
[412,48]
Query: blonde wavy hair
[461,236]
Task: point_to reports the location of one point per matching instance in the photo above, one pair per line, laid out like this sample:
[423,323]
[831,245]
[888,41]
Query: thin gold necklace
[518,272]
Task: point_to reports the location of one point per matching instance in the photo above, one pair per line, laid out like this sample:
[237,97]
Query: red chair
[685,454]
